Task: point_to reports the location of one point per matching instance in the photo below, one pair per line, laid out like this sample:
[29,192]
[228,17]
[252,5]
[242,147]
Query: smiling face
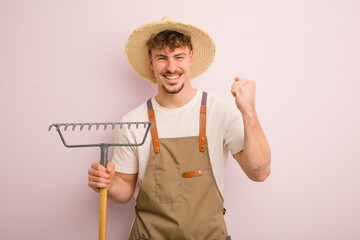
[172,68]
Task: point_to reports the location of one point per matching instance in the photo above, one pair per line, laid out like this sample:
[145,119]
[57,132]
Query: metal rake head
[73,126]
[97,125]
[103,146]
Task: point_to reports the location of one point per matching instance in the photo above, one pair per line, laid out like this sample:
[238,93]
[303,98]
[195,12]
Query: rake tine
[73,126]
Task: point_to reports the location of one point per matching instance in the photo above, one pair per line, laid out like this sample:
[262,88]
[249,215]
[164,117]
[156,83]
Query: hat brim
[137,52]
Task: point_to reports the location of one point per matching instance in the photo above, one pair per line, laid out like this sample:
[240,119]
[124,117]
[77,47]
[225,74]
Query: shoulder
[222,110]
[215,102]
[133,134]
[137,114]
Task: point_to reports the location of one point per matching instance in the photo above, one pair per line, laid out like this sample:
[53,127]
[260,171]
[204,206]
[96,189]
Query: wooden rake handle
[102,213]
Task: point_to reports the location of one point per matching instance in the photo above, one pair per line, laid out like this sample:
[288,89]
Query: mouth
[172,76]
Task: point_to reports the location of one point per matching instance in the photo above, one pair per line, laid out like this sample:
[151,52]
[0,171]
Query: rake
[104,155]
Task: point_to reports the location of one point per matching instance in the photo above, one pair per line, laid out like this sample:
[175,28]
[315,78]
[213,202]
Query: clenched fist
[244,92]
[101,177]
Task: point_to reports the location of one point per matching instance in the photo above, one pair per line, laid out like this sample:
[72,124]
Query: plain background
[64,61]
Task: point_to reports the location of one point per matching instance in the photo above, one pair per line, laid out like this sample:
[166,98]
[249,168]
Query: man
[180,170]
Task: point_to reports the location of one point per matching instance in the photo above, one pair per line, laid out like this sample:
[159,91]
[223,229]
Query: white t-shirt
[224,131]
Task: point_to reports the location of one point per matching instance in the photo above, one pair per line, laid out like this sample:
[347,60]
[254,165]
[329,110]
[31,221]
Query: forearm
[255,157]
[122,188]
[256,154]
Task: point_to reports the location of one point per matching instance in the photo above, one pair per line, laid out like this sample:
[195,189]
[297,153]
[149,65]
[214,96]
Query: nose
[171,66]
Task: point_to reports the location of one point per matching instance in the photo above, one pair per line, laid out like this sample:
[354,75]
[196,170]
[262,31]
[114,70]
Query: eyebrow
[160,55]
[179,54]
[165,56]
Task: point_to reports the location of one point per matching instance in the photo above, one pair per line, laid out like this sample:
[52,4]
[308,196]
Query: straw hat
[137,52]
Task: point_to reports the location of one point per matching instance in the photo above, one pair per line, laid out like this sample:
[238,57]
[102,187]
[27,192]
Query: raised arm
[255,157]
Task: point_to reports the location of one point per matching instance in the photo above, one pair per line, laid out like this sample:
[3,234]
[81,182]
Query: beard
[173,91]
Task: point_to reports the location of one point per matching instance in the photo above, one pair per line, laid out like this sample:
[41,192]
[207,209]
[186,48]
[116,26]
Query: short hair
[168,38]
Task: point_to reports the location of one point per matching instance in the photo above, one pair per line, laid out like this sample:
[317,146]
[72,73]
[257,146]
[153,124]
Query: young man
[180,170]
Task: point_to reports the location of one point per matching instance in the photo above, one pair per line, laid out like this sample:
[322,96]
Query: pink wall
[64,61]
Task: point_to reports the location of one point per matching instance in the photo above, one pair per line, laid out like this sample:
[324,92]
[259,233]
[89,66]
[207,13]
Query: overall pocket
[168,187]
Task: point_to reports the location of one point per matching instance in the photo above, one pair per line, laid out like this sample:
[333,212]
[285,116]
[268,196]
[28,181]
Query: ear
[151,62]
[191,58]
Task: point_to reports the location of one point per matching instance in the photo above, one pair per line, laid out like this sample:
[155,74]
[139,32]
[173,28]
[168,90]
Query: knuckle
[100,180]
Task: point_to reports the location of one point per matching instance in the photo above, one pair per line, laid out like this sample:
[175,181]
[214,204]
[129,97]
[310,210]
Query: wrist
[248,112]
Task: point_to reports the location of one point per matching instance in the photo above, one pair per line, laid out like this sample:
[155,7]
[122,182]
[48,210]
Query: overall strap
[154,133]
[202,126]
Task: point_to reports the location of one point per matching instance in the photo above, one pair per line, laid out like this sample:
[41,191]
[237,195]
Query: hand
[99,177]
[244,92]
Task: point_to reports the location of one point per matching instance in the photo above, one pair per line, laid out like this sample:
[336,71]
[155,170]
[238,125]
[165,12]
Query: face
[171,69]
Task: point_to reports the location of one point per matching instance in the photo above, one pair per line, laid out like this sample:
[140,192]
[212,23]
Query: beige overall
[179,198]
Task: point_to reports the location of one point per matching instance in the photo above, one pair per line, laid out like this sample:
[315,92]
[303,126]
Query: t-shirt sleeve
[234,129]
[125,158]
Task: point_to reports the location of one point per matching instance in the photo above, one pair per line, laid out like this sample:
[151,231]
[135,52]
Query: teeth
[172,77]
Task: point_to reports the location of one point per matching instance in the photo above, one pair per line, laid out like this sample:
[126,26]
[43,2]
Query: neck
[172,101]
